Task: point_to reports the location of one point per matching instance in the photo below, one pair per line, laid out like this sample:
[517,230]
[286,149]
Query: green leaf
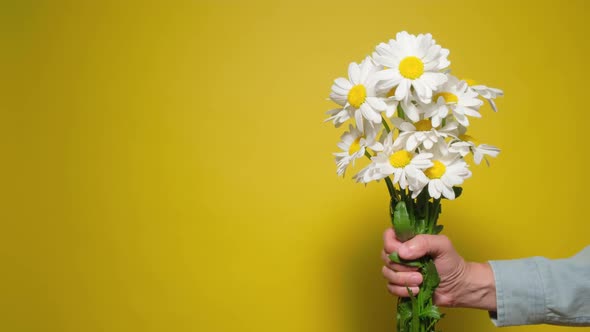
[458,191]
[421,226]
[396,259]
[402,223]
[404,314]
[438,229]
[431,279]
[431,311]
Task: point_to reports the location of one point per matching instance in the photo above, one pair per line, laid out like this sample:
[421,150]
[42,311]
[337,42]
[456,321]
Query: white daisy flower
[412,135]
[392,103]
[406,166]
[486,92]
[456,96]
[412,61]
[467,143]
[357,95]
[353,144]
[448,170]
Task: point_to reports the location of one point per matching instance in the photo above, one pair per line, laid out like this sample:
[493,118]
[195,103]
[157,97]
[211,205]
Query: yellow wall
[165,166]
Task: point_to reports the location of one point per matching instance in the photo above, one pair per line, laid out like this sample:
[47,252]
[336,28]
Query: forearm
[538,290]
[478,291]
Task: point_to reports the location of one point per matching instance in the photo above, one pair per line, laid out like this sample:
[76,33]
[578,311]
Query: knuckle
[394,290]
[420,243]
[399,268]
[390,289]
[390,246]
[389,275]
[386,234]
[385,257]
[445,239]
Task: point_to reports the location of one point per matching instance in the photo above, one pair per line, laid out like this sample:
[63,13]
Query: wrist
[478,289]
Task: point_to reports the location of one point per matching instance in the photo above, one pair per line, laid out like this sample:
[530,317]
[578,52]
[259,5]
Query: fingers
[401,291]
[390,242]
[410,279]
[395,266]
[420,245]
[398,281]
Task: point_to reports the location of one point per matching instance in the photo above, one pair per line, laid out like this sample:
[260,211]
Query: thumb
[423,244]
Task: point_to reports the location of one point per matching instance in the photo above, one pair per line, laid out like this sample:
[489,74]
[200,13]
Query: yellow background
[165,166]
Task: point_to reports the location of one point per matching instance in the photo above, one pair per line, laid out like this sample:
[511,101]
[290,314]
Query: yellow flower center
[355,146]
[448,97]
[468,138]
[469,81]
[391,92]
[400,158]
[436,171]
[411,67]
[423,125]
[357,95]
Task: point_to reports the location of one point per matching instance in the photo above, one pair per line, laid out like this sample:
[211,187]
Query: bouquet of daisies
[410,116]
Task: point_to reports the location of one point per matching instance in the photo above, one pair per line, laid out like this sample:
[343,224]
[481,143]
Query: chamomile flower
[486,92]
[454,96]
[466,143]
[357,96]
[423,132]
[412,61]
[392,103]
[405,166]
[353,144]
[447,170]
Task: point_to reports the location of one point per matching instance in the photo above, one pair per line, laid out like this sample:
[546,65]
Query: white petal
[462,119]
[370,114]
[343,83]
[493,104]
[359,120]
[406,126]
[432,190]
[448,193]
[403,89]
[412,143]
[354,73]
[477,157]
[424,93]
[386,61]
[376,103]
[411,111]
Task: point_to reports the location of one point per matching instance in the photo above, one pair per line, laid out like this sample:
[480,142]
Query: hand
[462,284]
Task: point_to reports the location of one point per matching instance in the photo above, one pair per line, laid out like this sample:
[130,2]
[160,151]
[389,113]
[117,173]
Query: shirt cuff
[520,296]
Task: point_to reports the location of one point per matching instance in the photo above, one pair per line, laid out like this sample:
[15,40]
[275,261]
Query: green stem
[390,187]
[418,312]
[434,215]
[400,112]
[415,312]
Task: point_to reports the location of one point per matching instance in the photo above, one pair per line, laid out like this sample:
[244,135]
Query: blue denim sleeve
[538,290]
